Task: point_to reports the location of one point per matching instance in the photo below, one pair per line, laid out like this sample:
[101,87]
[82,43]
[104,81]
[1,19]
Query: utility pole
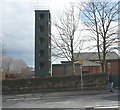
[81,63]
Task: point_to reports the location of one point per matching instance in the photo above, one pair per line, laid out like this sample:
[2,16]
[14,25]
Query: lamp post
[81,63]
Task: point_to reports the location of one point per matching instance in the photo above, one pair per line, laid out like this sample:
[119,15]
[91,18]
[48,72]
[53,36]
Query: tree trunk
[73,67]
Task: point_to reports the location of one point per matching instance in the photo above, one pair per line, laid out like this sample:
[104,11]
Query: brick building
[90,65]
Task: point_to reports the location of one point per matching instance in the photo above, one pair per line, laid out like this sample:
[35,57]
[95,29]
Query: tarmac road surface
[74,100]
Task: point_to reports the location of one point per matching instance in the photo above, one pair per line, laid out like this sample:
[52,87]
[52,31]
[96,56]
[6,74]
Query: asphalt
[67,93]
[50,96]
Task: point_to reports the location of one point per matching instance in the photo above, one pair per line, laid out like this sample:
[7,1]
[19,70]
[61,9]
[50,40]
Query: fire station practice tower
[42,43]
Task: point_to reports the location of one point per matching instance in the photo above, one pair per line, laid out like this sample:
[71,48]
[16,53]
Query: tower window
[41,16]
[41,53]
[42,66]
[41,28]
[42,41]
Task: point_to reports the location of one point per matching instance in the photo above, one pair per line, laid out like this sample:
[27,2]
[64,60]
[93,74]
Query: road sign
[81,62]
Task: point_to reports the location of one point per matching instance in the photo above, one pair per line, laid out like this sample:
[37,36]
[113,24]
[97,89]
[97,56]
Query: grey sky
[18,25]
[17,29]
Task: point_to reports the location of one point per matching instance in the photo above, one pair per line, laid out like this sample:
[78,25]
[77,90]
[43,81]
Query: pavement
[70,100]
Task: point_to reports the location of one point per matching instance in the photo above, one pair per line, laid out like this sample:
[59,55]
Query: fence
[116,81]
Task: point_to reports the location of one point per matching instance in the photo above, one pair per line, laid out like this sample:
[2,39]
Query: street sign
[81,62]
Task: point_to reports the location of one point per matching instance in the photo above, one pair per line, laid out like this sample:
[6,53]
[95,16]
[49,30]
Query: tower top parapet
[42,8]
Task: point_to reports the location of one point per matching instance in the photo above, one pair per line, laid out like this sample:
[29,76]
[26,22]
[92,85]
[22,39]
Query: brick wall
[71,82]
[66,69]
[114,66]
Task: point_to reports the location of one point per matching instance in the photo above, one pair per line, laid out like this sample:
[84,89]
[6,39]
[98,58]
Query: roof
[88,63]
[85,63]
[94,56]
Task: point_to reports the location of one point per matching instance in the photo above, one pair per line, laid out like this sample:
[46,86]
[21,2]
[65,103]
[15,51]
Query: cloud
[17,19]
[18,25]
[18,30]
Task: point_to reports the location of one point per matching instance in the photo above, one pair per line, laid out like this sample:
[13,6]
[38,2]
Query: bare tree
[6,63]
[10,64]
[101,18]
[67,40]
[18,65]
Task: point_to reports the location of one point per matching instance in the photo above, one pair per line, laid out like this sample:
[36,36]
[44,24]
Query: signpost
[81,63]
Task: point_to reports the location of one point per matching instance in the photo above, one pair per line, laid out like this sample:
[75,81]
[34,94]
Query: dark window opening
[49,16]
[42,65]
[41,16]
[41,28]
[42,41]
[41,53]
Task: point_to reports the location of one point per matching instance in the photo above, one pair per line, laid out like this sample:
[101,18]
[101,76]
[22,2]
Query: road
[73,99]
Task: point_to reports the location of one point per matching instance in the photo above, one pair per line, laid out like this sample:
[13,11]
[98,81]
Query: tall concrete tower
[42,43]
